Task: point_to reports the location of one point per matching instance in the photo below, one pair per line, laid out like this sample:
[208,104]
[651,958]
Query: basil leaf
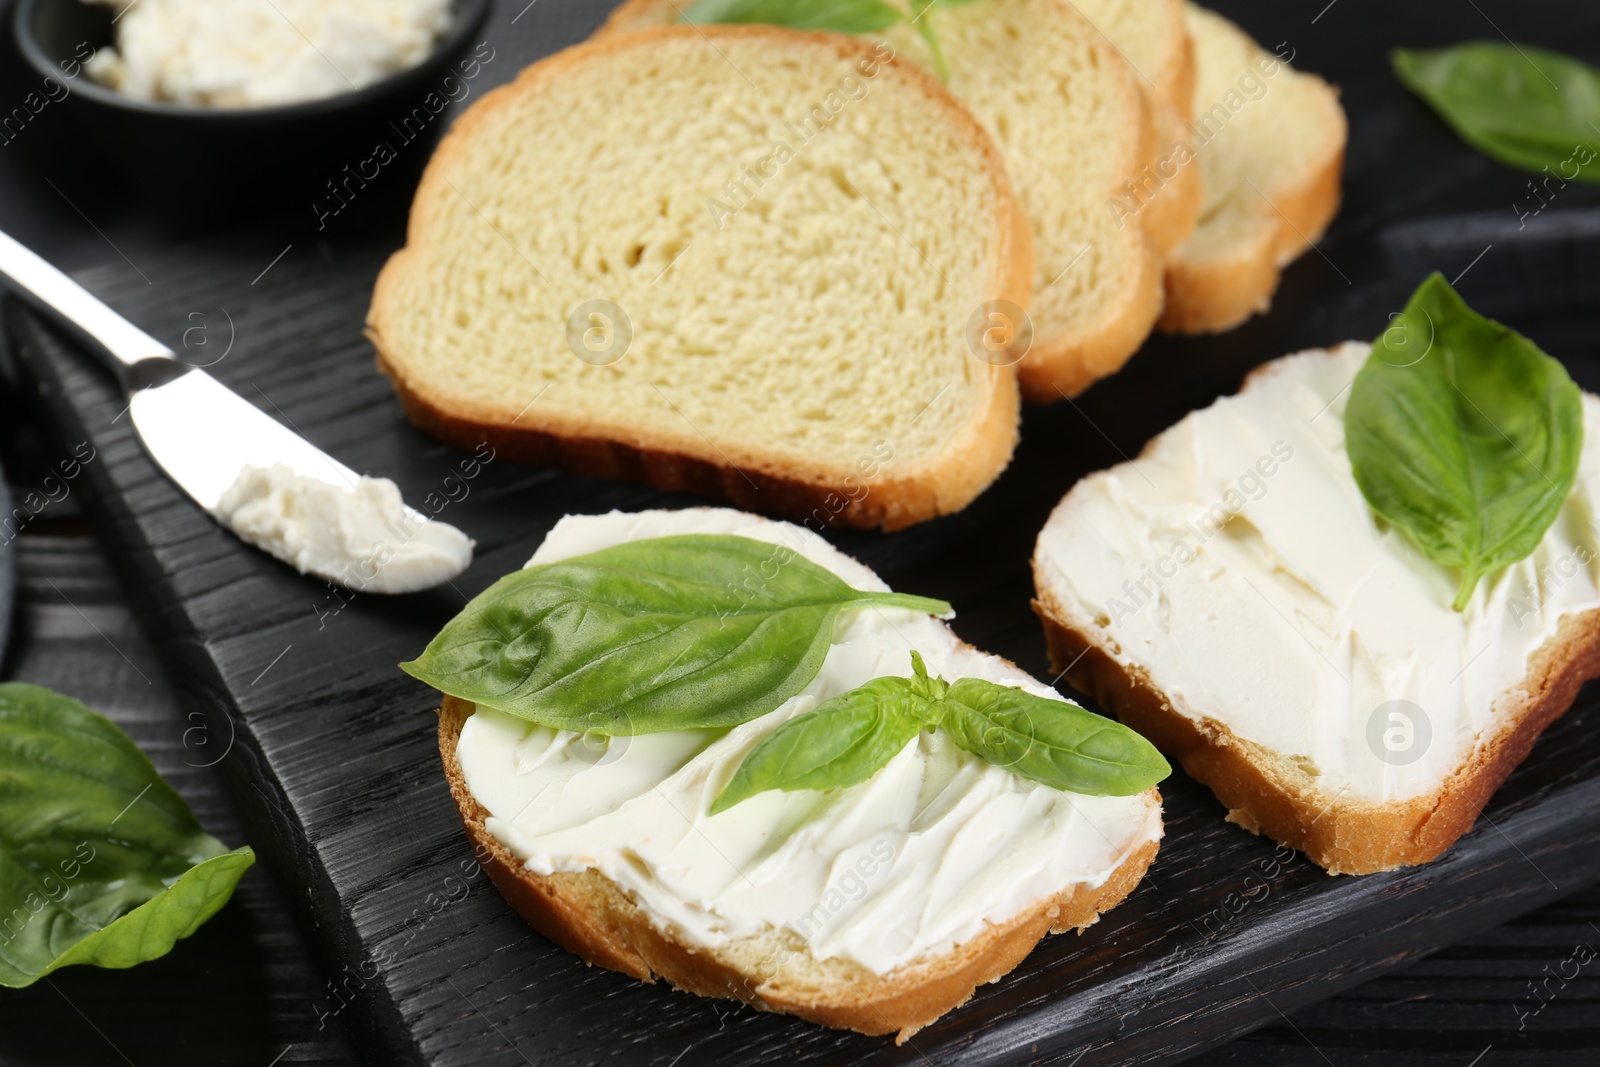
[670,633]
[931,690]
[1462,433]
[841,16]
[1050,741]
[101,862]
[1522,105]
[842,741]
[930,35]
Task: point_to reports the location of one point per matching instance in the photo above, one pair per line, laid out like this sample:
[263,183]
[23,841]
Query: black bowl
[185,158]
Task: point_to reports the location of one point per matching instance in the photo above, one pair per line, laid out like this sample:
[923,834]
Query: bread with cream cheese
[589,915]
[591,280]
[1230,595]
[1270,143]
[1067,115]
[774,965]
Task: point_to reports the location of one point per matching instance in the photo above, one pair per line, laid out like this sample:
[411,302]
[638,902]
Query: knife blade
[201,433]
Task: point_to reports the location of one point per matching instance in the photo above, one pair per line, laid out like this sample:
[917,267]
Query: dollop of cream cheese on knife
[923,856]
[1237,565]
[362,536]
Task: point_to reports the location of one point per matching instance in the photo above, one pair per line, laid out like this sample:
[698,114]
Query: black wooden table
[245,990]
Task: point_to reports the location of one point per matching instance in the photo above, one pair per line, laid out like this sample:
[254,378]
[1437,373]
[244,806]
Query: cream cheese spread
[925,855]
[260,53]
[1236,564]
[361,536]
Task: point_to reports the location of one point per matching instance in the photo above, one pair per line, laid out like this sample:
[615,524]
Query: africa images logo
[1399,732]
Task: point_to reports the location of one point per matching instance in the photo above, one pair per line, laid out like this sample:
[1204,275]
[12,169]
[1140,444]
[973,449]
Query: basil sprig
[101,862]
[1462,433]
[667,633]
[839,16]
[848,739]
[1524,106]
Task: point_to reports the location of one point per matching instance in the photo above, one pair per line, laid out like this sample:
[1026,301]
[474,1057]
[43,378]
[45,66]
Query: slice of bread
[1271,147]
[735,260]
[588,914]
[1230,595]
[1167,191]
[639,903]
[1069,120]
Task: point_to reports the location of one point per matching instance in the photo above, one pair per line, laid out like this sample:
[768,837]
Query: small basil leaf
[1462,433]
[670,633]
[1050,741]
[1524,106]
[101,862]
[929,689]
[843,741]
[840,16]
[930,35]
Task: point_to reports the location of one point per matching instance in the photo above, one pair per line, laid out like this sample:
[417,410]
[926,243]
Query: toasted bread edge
[1269,794]
[592,917]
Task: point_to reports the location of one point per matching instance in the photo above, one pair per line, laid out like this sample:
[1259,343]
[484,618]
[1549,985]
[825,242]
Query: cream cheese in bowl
[263,53]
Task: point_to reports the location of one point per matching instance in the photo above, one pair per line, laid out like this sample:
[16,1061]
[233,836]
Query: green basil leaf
[924,25]
[842,741]
[1050,741]
[670,633]
[101,862]
[1462,433]
[1522,105]
[929,689]
[840,16]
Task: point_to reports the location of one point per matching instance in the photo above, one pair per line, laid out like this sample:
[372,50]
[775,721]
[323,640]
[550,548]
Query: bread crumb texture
[734,245]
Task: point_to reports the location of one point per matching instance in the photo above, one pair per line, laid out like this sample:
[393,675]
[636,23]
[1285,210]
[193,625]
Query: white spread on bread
[1236,565]
[259,53]
[361,536]
[923,856]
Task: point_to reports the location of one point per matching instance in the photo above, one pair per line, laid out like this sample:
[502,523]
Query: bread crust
[889,502]
[591,916]
[1171,214]
[942,483]
[1048,373]
[1213,293]
[1174,82]
[1265,793]
[1067,364]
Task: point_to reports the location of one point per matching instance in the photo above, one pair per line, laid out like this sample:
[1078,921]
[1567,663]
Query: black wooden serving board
[330,750]
[8,567]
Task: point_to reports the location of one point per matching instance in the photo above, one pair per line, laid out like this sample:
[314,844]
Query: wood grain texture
[1525,990]
[242,989]
[335,746]
[339,783]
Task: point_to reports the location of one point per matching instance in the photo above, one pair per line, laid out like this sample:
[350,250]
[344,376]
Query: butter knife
[203,435]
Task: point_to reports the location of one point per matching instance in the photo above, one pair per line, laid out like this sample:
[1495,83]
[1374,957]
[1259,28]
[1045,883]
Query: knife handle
[74,306]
